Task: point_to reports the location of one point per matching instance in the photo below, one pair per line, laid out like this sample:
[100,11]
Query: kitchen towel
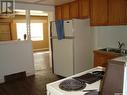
[60,29]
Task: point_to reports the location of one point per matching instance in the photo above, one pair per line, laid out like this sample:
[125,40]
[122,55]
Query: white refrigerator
[73,54]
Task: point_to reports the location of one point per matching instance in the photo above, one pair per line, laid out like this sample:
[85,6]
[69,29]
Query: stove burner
[98,73]
[72,85]
[91,77]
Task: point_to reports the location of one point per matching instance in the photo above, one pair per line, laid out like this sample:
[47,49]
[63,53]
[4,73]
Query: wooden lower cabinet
[101,58]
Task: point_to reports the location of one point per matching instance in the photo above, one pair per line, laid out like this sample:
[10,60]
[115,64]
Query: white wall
[108,36]
[16,56]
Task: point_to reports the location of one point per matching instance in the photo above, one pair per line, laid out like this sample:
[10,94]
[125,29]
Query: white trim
[43,49]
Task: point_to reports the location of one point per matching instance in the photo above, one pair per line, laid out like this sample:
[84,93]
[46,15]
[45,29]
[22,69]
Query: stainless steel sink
[115,50]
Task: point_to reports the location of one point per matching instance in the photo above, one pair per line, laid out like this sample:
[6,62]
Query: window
[36,31]
[21,30]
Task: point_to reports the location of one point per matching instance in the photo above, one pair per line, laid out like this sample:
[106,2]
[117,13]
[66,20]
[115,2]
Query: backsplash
[108,36]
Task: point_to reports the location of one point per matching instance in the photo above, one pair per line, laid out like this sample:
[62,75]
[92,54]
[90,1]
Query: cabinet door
[74,9]
[5,31]
[99,12]
[101,58]
[65,11]
[58,12]
[83,8]
[126,12]
[116,12]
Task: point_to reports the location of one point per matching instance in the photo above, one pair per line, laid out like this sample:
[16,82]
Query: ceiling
[45,2]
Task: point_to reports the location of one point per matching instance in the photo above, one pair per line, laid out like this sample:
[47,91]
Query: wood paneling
[74,9]
[99,12]
[5,31]
[116,12]
[84,8]
[65,11]
[58,12]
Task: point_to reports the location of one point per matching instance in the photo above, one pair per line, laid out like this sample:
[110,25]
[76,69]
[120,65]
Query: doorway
[38,29]
[39,35]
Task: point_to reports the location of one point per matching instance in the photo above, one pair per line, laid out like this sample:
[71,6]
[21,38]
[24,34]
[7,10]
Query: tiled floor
[34,85]
[41,60]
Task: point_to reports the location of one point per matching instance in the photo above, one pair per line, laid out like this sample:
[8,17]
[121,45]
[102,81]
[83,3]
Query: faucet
[120,45]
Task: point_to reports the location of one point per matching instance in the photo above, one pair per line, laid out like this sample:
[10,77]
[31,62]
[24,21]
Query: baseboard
[30,73]
[27,74]
[2,80]
[15,76]
[43,49]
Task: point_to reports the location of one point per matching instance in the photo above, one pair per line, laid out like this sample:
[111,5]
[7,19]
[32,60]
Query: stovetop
[54,89]
[79,83]
[91,77]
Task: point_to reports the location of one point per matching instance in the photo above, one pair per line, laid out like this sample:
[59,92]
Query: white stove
[53,88]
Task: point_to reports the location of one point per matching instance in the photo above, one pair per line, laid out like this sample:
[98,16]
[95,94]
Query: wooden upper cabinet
[117,12]
[99,12]
[84,8]
[74,9]
[58,12]
[5,31]
[65,11]
[126,12]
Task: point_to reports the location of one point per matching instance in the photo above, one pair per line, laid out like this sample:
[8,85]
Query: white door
[63,57]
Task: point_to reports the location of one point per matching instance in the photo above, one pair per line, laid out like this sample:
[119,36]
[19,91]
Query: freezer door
[63,57]
[68,31]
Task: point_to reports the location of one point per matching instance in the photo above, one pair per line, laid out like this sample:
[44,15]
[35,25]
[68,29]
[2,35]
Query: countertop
[122,58]
[14,42]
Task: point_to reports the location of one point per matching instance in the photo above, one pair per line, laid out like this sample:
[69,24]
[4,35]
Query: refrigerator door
[63,57]
[68,31]
[82,45]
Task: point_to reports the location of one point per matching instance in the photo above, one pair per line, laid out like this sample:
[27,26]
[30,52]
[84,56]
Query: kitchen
[107,25]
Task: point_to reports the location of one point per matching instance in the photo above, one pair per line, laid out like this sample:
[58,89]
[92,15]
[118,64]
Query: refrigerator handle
[68,22]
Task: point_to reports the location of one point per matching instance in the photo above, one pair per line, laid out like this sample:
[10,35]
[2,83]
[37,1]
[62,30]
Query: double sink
[115,50]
